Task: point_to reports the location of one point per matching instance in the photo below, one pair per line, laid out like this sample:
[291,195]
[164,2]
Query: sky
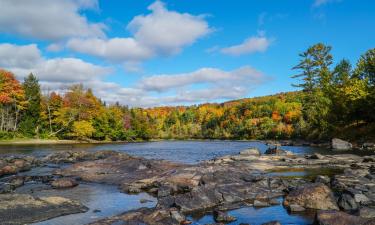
[147,53]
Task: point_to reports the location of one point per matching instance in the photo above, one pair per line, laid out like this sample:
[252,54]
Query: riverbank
[53,142]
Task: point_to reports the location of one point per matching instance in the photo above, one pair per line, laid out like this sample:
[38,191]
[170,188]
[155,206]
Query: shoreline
[54,142]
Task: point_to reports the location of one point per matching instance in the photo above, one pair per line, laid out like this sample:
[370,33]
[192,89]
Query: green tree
[31,115]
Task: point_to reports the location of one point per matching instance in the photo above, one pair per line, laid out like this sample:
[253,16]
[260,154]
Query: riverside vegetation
[334,100]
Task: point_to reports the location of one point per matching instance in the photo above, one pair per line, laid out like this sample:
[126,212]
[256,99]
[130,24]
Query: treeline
[335,100]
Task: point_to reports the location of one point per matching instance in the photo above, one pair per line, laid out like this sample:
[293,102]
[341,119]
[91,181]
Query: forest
[334,100]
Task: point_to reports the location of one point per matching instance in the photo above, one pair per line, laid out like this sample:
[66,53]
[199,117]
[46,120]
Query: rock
[5,188]
[316,156]
[347,202]
[17,182]
[368,146]
[260,204]
[295,208]
[312,196]
[250,151]
[322,179]
[96,211]
[9,169]
[277,151]
[332,217]
[177,216]
[143,200]
[338,144]
[272,223]
[64,183]
[25,209]
[223,217]
[361,198]
[367,212]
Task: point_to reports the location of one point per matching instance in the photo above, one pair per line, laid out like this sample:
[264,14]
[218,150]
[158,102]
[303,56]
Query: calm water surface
[179,151]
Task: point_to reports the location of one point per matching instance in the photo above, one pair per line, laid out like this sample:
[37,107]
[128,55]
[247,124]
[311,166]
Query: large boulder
[64,183]
[332,217]
[312,196]
[25,209]
[338,144]
[250,151]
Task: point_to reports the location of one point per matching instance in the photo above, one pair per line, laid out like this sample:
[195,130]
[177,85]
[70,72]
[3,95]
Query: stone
[250,151]
[295,208]
[64,183]
[220,216]
[361,198]
[347,202]
[366,212]
[25,209]
[258,203]
[312,196]
[177,216]
[333,217]
[338,144]
[277,151]
[368,146]
[272,223]
[322,179]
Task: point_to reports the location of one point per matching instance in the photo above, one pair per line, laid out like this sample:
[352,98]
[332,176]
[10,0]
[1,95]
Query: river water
[104,200]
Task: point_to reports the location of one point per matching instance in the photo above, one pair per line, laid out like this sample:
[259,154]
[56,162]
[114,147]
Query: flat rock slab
[25,209]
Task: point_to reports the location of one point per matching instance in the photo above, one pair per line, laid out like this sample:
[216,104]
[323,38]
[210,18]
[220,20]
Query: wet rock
[250,151]
[143,200]
[64,183]
[312,196]
[220,216]
[295,208]
[338,144]
[332,217]
[272,223]
[24,209]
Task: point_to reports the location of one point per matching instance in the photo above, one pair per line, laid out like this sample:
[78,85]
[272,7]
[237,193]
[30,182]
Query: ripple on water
[102,201]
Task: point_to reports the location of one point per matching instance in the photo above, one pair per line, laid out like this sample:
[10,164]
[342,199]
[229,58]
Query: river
[104,200]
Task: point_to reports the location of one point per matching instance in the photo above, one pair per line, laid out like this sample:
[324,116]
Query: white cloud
[161,32]
[318,3]
[250,45]
[213,76]
[24,59]
[115,49]
[48,19]
[167,31]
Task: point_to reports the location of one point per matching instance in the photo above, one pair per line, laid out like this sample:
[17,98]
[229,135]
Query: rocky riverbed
[181,191]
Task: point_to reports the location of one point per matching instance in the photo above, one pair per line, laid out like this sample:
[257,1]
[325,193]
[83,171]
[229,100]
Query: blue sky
[150,53]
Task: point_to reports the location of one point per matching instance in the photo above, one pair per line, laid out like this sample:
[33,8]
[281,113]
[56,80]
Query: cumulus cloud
[49,19]
[250,45]
[212,76]
[115,49]
[161,32]
[24,59]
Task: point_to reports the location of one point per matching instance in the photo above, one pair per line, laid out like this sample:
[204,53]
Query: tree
[82,130]
[12,101]
[317,78]
[31,115]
